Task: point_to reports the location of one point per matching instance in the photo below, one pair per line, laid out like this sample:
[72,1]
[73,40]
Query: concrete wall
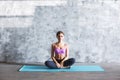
[92,27]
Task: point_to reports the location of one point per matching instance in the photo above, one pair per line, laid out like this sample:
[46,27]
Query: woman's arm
[66,53]
[53,56]
[52,53]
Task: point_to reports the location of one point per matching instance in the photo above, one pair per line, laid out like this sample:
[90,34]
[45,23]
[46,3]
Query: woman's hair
[59,32]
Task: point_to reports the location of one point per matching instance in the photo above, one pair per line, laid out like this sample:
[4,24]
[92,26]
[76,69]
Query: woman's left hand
[62,64]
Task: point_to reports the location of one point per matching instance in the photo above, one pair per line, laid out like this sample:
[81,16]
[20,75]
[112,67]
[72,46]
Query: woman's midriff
[60,56]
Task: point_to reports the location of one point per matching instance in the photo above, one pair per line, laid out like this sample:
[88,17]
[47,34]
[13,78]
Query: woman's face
[60,36]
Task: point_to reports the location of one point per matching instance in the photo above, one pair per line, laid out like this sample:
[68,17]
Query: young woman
[60,54]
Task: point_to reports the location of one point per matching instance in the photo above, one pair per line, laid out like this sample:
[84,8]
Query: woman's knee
[46,63]
[50,64]
[72,60]
[69,62]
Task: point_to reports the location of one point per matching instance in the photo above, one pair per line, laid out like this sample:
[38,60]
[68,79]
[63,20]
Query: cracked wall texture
[91,28]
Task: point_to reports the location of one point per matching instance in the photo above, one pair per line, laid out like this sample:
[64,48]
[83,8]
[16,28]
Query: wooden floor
[10,72]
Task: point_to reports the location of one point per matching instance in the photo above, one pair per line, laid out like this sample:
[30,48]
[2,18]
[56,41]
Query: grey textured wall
[91,27]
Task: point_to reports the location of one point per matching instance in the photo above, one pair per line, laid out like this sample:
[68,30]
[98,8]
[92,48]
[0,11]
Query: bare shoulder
[66,45]
[53,44]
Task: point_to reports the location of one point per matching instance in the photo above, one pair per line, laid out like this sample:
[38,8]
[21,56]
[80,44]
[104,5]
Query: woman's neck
[60,42]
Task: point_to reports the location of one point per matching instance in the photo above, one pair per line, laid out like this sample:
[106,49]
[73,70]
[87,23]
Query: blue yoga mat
[30,68]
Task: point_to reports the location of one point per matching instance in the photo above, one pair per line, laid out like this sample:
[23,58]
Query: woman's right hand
[58,65]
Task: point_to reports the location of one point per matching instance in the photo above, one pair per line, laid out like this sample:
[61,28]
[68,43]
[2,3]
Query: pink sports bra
[59,51]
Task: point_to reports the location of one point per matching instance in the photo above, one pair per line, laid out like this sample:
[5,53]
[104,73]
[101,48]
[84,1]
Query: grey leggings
[68,62]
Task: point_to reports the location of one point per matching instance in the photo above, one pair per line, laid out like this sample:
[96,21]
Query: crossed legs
[68,62]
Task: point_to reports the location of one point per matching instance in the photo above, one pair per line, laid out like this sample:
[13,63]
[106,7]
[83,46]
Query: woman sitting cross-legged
[60,54]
